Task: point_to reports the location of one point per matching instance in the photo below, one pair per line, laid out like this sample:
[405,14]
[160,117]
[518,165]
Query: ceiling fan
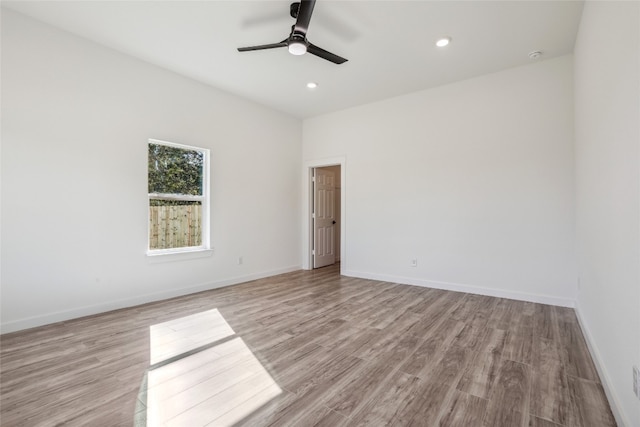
[297,42]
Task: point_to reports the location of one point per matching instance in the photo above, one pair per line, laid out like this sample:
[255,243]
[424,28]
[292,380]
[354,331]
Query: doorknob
[334,221]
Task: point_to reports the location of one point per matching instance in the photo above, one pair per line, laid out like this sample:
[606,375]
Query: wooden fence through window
[175,226]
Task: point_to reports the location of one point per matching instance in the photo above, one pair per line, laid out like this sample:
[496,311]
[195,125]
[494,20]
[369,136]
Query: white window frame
[204,199]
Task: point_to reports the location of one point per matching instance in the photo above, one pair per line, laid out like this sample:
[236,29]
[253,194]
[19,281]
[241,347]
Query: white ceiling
[390,44]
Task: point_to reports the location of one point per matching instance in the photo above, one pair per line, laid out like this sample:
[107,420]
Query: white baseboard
[612,397]
[457,287]
[59,316]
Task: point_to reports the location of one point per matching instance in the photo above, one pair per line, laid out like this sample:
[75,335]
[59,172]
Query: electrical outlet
[414,262]
[240,260]
[636,381]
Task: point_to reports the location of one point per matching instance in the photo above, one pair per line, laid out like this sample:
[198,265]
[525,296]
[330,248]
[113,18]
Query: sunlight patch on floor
[176,337]
[219,381]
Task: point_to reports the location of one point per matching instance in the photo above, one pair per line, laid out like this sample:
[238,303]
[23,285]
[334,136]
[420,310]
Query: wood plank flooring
[309,348]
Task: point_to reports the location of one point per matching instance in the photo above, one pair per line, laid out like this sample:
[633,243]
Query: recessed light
[312,85]
[443,41]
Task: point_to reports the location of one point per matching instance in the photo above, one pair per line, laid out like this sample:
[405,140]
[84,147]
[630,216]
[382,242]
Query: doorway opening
[324,214]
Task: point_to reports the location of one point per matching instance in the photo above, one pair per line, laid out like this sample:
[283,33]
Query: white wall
[75,122]
[474,179]
[607,110]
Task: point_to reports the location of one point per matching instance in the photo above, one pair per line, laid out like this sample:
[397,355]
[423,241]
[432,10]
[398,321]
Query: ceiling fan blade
[317,51]
[304,16]
[283,43]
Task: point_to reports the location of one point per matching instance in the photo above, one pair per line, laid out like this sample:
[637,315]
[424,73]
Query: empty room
[320,213]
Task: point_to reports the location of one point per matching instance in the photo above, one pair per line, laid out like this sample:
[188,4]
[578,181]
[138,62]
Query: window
[178,177]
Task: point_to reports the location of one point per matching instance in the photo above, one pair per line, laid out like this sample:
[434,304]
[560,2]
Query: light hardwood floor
[303,349]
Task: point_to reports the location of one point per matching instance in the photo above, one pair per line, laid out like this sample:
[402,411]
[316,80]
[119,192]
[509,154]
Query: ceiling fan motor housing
[298,38]
[294,9]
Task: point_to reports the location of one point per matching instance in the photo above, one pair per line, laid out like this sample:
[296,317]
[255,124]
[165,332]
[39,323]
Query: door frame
[307,208]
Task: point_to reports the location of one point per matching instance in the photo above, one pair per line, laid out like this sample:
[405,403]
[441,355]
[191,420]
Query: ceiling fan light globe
[297,48]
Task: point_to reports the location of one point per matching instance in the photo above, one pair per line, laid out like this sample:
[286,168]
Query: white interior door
[324,218]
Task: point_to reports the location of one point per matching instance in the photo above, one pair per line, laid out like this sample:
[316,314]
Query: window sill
[169,255]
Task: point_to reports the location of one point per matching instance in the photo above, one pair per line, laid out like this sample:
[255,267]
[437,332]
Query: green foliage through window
[175,170]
